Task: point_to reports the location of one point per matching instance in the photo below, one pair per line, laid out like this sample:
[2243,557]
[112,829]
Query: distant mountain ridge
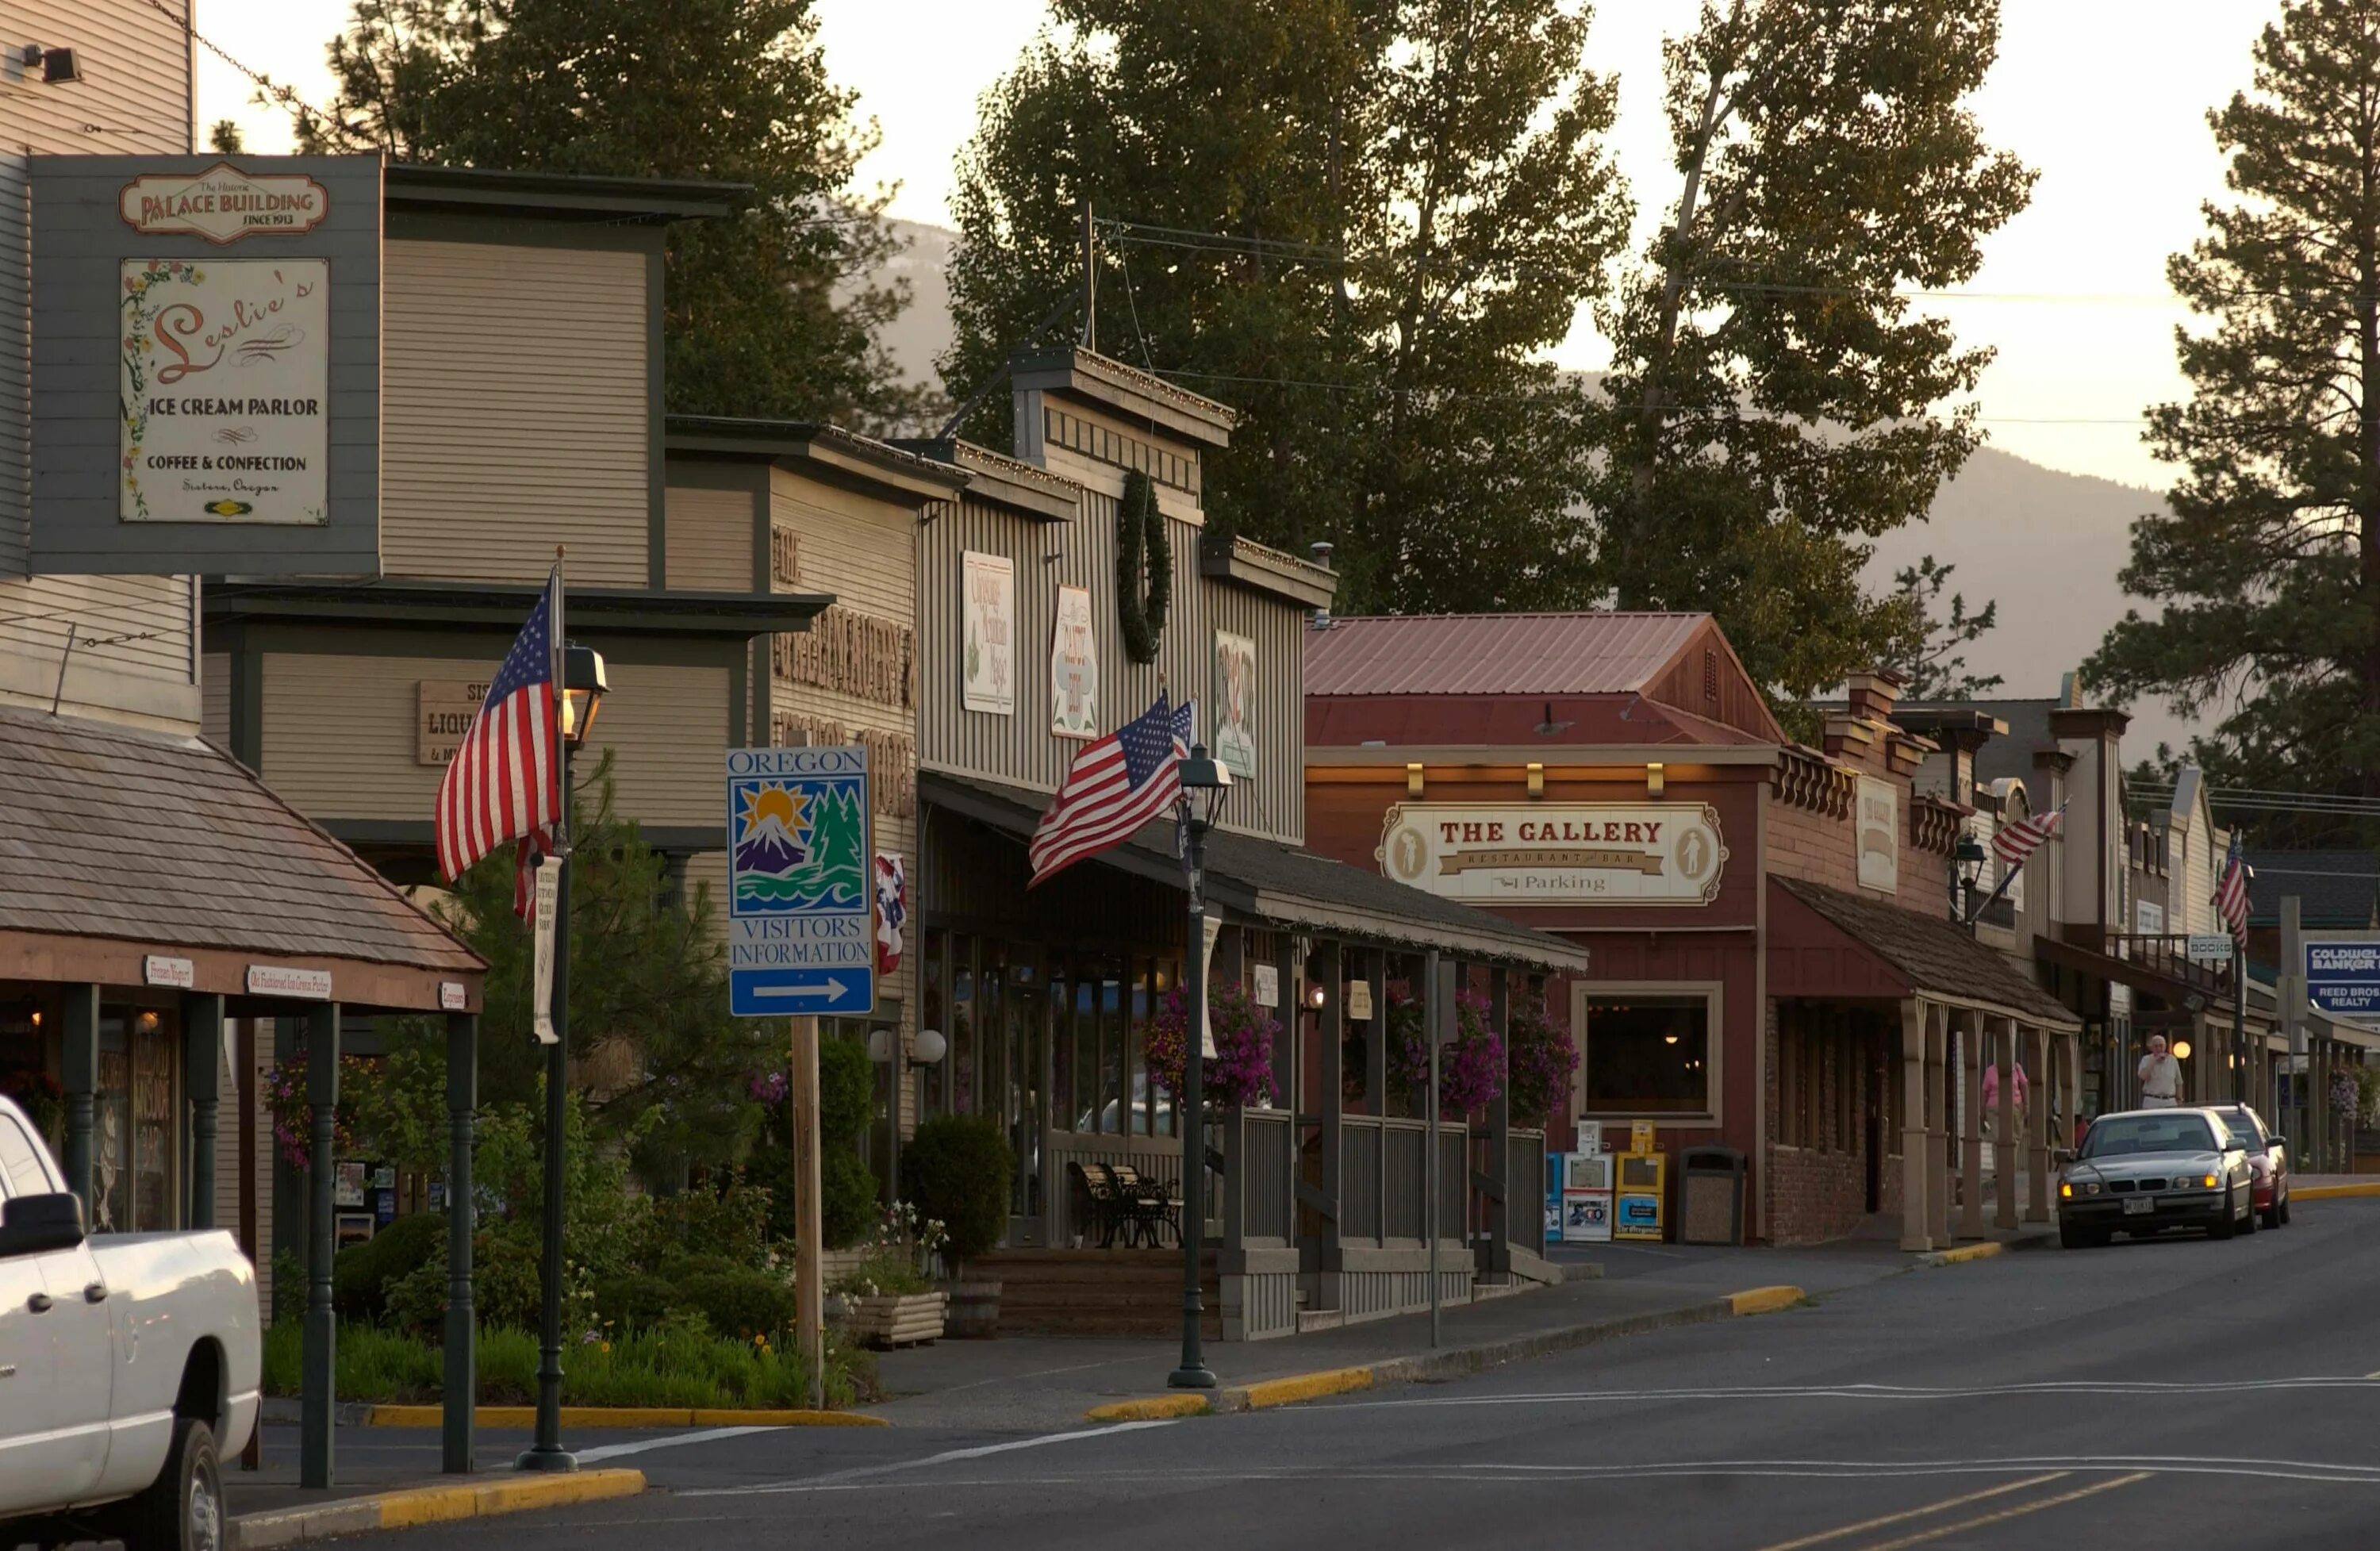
[2046,545]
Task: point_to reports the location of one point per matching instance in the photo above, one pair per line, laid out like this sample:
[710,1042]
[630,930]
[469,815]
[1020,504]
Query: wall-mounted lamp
[147,1022]
[1315,996]
[2181,1049]
[1413,780]
[1537,779]
[59,66]
[1656,779]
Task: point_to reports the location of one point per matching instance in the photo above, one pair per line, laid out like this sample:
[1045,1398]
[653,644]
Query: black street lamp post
[582,690]
[1205,784]
[1966,866]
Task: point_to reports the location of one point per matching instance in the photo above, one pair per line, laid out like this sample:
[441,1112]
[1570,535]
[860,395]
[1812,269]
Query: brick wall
[1819,1098]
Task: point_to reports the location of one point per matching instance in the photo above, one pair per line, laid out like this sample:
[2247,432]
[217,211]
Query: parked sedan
[2144,1170]
[2268,1160]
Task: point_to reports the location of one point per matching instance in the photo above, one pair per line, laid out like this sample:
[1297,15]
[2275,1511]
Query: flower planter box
[906,1320]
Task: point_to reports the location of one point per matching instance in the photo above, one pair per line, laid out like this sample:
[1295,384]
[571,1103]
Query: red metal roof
[1582,653]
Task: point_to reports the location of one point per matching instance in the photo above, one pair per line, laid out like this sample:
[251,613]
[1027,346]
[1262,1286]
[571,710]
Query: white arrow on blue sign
[801,924]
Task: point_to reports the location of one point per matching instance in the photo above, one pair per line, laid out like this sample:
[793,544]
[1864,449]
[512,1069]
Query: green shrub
[742,1303]
[506,1287]
[957,1169]
[289,1287]
[360,1275]
[635,1302]
[846,1089]
[846,1199]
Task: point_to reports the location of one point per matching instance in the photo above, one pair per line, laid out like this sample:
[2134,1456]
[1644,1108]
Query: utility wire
[287,97]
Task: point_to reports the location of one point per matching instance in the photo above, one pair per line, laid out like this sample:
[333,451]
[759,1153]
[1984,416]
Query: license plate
[2139,1205]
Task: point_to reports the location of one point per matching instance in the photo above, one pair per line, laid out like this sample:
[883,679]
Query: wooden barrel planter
[908,1319]
[974,1310]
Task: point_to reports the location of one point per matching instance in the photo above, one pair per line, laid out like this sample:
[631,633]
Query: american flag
[506,781]
[1115,786]
[2015,842]
[2231,892]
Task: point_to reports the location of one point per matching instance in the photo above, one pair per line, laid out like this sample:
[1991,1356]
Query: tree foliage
[1360,222]
[2268,566]
[769,313]
[664,1067]
[1931,654]
[1770,407]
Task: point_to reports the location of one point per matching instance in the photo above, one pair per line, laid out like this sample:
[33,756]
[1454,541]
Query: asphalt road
[2175,1392]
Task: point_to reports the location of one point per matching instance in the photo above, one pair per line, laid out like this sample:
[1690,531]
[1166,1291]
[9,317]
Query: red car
[2268,1160]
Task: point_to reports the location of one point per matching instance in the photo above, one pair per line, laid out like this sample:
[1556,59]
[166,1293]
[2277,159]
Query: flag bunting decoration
[2231,892]
[2016,841]
[535,846]
[506,781]
[892,910]
[1115,786]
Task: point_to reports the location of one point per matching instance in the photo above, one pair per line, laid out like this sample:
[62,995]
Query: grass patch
[659,1368]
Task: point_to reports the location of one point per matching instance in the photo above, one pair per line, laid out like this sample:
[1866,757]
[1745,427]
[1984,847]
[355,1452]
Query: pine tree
[1931,655]
[770,313]
[1359,222]
[1770,407]
[2268,567]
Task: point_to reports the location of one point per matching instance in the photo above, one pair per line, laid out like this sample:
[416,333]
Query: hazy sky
[2105,97]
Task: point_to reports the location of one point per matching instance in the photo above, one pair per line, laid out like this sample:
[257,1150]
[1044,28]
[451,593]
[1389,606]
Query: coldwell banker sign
[1556,853]
[206,365]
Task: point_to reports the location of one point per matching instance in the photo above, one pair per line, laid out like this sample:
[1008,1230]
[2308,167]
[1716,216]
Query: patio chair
[1151,1207]
[1111,1209]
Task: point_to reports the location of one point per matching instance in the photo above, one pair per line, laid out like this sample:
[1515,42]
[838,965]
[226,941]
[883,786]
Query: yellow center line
[2017,1512]
[1942,1506]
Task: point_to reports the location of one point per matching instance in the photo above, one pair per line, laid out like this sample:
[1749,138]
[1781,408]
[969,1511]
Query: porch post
[462,1320]
[1376,1078]
[1497,1256]
[1916,1189]
[1433,1032]
[1937,1125]
[1289,957]
[203,1028]
[2006,1154]
[78,1030]
[321,1344]
[1330,1032]
[2038,1057]
[1971,1125]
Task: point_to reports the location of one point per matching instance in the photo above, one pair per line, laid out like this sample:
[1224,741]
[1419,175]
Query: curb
[2333,1193]
[1429,1366]
[281,1409]
[1962,1254]
[428,1504]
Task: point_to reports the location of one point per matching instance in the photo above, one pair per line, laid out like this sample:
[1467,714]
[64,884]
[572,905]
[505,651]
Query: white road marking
[1867,1393]
[842,1478]
[708,1434]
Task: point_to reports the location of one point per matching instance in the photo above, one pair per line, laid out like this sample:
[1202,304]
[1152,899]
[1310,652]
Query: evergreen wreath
[1141,548]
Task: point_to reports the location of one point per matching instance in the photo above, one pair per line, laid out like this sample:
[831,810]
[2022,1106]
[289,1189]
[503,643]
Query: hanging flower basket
[1543,1062]
[1470,1066]
[1239,1075]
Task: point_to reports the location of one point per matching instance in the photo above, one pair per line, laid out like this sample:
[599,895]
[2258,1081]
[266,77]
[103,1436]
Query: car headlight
[2091,1189]
[2207,1180]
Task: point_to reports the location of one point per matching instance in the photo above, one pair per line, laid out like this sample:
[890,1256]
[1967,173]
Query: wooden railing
[1524,1191]
[2168,953]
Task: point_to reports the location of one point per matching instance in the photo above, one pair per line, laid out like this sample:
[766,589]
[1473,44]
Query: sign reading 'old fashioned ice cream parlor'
[1556,853]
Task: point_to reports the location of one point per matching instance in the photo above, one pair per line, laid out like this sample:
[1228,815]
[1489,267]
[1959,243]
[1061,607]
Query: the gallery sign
[1556,853]
[206,359]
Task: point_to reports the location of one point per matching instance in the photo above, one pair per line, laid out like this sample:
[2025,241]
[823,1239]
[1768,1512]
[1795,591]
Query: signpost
[801,942]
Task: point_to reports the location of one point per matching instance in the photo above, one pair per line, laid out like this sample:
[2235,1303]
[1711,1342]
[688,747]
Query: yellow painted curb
[1965,1253]
[1307,1386]
[1148,1408]
[1763,1300]
[623,1416]
[437,1505]
[2332,1192]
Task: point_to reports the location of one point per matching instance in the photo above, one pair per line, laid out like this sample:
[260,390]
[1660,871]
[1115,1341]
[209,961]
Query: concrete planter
[903,1320]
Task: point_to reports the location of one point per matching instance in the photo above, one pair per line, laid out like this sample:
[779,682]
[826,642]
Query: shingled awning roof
[1928,956]
[1285,885]
[116,843]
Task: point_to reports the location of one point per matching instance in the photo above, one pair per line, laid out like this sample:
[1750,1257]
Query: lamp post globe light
[1206,786]
[1966,867]
[583,684]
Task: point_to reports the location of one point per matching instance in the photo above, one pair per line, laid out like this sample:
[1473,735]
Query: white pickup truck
[129,1363]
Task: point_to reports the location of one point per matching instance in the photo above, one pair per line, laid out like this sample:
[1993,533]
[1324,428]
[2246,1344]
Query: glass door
[1024,1012]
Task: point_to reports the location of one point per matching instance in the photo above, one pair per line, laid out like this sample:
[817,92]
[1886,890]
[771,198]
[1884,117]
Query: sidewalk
[1040,1383]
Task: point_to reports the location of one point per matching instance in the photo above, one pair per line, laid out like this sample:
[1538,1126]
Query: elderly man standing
[2160,1076]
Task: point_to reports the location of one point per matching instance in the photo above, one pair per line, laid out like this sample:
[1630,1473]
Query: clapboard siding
[1020,749]
[710,547]
[339,735]
[516,413]
[135,98]
[214,697]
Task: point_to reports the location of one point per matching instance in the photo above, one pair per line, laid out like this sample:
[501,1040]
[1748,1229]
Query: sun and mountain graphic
[799,845]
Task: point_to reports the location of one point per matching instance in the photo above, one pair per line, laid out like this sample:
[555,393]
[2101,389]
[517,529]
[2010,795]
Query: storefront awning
[1283,885]
[1823,942]
[118,844]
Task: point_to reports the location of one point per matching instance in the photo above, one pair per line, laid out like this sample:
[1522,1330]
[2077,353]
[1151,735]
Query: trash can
[1710,1196]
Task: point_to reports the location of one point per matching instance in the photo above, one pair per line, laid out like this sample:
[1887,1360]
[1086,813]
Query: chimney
[1874,694]
[1321,550]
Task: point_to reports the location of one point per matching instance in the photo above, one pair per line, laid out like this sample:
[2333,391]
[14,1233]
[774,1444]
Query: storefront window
[111,1131]
[932,1010]
[1111,1041]
[1133,1043]
[1062,1049]
[1647,1055]
[1087,1096]
[962,1032]
[153,1123]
